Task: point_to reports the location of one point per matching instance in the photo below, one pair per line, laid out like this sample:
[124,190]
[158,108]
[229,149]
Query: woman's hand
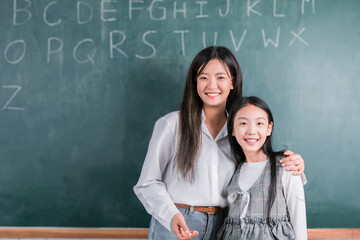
[180,228]
[294,160]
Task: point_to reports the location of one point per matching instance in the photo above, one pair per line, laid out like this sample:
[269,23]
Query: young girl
[188,165]
[265,201]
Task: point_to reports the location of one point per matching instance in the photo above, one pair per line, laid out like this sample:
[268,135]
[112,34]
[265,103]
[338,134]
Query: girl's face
[251,128]
[214,84]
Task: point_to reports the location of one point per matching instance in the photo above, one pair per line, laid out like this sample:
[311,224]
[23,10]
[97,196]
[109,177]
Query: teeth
[251,140]
[212,94]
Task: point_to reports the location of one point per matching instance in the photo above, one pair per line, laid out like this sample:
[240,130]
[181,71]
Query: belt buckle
[210,210]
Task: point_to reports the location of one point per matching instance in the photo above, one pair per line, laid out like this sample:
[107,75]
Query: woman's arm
[293,162]
[180,228]
[150,189]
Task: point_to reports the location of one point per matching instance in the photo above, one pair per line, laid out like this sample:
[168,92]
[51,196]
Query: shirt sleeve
[303,178]
[150,189]
[295,200]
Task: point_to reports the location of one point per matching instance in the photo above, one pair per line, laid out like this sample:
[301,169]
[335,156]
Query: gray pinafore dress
[247,217]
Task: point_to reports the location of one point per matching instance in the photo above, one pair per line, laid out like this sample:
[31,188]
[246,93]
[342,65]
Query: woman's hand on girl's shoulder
[293,162]
[180,228]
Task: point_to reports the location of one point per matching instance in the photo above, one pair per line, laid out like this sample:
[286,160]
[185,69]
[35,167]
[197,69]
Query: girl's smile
[251,141]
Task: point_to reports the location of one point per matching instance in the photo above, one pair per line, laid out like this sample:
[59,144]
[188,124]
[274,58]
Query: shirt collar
[223,132]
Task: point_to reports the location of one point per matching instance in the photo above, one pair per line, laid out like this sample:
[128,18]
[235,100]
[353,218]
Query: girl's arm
[150,189]
[295,200]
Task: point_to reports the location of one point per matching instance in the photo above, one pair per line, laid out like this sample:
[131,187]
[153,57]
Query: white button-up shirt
[160,185]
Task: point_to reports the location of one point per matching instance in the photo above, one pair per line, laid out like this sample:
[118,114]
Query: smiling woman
[189,147]
[213,86]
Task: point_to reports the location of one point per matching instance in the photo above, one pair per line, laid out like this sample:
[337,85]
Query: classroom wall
[83,82]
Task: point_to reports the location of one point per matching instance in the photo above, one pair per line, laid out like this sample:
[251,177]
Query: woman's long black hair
[237,151]
[191,106]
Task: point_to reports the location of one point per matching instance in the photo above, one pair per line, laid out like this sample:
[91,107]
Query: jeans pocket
[184,212]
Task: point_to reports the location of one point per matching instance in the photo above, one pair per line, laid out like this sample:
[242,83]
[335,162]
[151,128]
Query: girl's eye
[242,123]
[260,123]
[202,78]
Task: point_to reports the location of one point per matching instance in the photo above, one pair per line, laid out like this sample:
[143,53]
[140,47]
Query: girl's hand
[180,229]
[294,160]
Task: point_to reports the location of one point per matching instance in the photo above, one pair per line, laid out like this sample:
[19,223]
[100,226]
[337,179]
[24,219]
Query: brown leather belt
[208,210]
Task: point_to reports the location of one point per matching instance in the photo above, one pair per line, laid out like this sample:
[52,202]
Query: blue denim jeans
[206,224]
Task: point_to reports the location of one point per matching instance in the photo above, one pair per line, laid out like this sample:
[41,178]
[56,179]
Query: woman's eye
[260,123]
[243,123]
[221,78]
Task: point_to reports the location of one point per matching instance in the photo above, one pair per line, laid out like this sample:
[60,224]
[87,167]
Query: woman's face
[251,128]
[214,84]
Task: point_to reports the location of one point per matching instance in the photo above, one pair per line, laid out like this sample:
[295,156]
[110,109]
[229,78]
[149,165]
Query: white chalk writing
[21,10]
[51,24]
[146,41]
[89,58]
[22,49]
[17,90]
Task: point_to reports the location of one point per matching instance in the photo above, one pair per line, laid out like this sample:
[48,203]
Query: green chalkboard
[83,82]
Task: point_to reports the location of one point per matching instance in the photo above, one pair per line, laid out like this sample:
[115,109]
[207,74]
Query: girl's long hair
[237,151]
[191,106]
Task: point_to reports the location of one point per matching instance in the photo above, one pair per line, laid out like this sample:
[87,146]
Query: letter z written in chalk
[17,90]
